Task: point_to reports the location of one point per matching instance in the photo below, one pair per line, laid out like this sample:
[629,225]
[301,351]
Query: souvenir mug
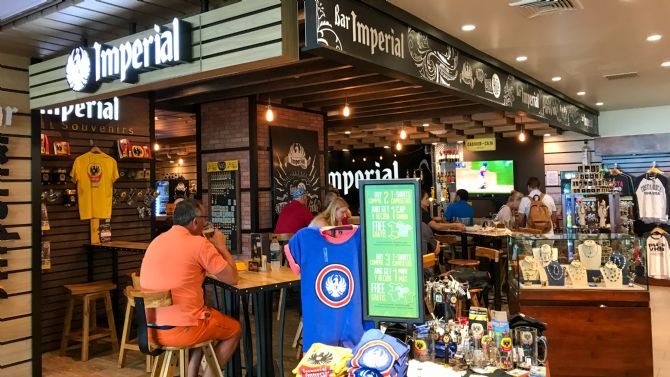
[527,349]
[424,346]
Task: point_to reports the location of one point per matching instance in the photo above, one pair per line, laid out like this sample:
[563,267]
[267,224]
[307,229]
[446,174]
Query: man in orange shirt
[177,261]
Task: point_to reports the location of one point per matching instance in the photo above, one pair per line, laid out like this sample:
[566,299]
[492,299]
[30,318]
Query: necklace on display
[611,272]
[577,271]
[545,254]
[554,271]
[588,247]
[529,269]
[618,259]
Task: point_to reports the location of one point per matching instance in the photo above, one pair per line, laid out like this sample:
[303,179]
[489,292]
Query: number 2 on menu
[386,197]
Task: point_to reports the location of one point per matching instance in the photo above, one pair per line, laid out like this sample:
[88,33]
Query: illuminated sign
[86,67]
[100,110]
[481,144]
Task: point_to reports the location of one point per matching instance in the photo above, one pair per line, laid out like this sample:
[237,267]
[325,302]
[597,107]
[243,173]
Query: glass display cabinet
[591,291]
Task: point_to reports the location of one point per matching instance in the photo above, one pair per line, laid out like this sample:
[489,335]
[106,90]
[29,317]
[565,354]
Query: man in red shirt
[295,215]
[177,261]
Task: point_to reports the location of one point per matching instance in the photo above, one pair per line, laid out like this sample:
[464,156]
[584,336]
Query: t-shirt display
[658,256]
[622,183]
[652,198]
[330,285]
[378,352]
[323,360]
[94,173]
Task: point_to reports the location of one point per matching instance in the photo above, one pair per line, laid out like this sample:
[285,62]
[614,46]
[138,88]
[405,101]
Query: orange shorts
[215,327]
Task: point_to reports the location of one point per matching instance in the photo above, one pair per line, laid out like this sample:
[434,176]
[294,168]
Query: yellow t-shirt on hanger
[94,174]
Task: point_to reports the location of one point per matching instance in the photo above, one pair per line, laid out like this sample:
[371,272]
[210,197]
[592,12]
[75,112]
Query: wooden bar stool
[461,264]
[88,293]
[128,344]
[167,357]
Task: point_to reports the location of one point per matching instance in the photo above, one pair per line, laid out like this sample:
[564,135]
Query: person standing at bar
[295,215]
[176,261]
[542,206]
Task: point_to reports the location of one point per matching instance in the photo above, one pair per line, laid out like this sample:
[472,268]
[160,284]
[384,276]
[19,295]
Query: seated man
[176,261]
[435,223]
[460,210]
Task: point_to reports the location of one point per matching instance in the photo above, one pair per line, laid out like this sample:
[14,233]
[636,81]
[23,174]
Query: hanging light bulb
[522,135]
[398,146]
[180,161]
[346,111]
[156,147]
[269,115]
[403,134]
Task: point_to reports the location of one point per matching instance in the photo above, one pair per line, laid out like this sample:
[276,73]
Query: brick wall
[225,126]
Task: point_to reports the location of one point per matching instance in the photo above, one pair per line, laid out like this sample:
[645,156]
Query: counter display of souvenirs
[577,261]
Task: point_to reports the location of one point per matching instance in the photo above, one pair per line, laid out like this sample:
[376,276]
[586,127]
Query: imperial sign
[86,67]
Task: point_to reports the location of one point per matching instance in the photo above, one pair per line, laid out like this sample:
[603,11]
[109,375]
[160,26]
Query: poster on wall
[392,276]
[295,164]
[347,169]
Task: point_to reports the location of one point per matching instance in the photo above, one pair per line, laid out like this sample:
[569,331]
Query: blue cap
[298,193]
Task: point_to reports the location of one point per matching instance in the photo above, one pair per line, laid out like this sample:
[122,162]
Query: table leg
[263,318]
[246,333]
[231,303]
[115,280]
[89,261]
[280,340]
[496,286]
[464,246]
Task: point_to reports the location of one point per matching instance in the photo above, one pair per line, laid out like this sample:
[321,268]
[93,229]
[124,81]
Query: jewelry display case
[591,292]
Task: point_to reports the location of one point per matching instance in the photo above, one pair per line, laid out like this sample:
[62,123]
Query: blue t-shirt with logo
[330,287]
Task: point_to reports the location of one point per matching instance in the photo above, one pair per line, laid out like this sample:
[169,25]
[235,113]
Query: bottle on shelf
[586,154]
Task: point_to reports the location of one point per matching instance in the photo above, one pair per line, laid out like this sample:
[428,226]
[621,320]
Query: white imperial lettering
[376,39]
[348,179]
[101,110]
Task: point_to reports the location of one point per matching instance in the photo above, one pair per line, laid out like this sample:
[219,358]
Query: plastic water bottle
[275,249]
[586,154]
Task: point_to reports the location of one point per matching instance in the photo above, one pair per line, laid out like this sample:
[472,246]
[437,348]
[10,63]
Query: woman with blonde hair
[507,211]
[333,215]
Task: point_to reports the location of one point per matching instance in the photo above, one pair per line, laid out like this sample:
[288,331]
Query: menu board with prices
[224,201]
[392,276]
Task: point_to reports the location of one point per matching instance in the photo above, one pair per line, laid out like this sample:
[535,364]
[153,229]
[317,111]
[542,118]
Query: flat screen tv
[485,177]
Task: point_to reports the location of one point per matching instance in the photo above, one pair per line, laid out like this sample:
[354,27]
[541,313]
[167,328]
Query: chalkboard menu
[224,200]
[391,234]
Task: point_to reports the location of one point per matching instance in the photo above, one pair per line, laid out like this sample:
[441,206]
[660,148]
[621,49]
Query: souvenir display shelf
[593,308]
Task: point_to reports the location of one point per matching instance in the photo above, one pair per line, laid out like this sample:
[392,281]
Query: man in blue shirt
[460,209]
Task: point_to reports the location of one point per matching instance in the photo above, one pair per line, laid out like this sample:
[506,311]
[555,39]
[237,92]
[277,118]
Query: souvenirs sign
[346,30]
[392,262]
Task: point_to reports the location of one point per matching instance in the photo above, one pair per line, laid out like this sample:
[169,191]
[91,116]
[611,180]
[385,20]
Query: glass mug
[208,230]
[424,346]
[526,347]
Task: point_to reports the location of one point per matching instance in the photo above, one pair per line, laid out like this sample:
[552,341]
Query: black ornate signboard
[365,33]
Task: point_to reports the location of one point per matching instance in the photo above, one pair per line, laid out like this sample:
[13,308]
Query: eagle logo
[78,69]
[334,285]
[375,354]
[321,358]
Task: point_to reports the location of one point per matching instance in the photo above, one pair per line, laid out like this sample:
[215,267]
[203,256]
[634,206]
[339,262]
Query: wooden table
[113,247]
[260,286]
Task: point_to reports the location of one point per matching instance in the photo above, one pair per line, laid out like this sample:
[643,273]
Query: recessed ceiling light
[556,78]
[547,135]
[434,143]
[581,93]
[665,64]
[599,103]
[345,150]
[387,147]
[426,124]
[521,58]
[460,142]
[468,27]
[654,38]
[347,132]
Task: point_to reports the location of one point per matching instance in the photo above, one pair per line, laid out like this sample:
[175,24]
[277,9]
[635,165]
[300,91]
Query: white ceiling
[606,37]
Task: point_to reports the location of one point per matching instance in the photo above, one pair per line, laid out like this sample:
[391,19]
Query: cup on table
[463,220]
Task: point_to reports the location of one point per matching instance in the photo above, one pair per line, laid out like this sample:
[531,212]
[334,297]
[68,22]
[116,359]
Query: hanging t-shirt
[94,174]
[622,183]
[332,311]
[652,198]
[658,256]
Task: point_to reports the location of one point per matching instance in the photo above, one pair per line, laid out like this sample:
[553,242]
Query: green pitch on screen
[391,251]
[502,168]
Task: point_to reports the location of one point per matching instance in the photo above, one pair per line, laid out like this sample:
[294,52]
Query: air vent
[535,8]
[621,76]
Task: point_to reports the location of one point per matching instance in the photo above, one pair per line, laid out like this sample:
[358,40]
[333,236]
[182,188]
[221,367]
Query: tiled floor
[103,362]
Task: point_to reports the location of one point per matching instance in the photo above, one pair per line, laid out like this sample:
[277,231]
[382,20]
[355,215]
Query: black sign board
[365,33]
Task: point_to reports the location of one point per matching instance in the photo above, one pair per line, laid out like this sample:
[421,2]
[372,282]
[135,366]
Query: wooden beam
[298,94]
[404,108]
[408,99]
[394,93]
[346,91]
[488,116]
[498,122]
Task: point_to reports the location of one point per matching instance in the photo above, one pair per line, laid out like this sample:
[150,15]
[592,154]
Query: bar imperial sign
[87,68]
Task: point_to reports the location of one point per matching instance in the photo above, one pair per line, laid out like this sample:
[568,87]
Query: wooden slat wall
[16,311]
[188,170]
[68,233]
[251,34]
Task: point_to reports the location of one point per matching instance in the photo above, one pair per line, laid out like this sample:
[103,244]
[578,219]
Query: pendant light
[398,146]
[269,115]
[346,111]
[522,135]
[403,134]
[156,147]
